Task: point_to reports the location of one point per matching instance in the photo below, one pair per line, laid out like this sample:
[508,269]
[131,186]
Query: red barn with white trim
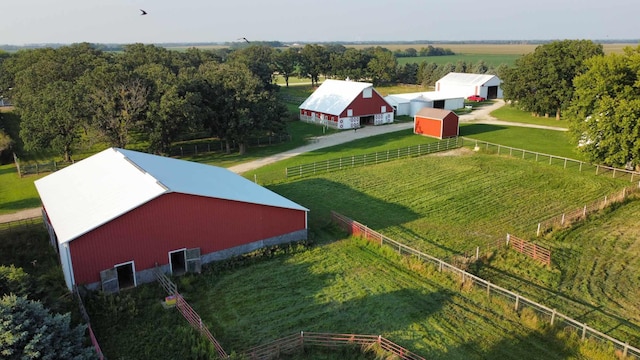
[343,104]
[117,215]
[436,123]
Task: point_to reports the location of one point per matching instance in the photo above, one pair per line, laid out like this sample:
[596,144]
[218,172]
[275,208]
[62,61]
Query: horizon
[200,21]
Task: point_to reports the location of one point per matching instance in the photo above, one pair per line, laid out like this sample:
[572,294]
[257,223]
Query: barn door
[193,260]
[109,279]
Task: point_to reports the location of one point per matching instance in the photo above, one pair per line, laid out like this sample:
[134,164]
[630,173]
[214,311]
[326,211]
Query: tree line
[72,96]
[598,94]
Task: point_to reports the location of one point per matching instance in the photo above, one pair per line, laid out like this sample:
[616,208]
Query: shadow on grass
[474,129]
[520,347]
[322,196]
[587,309]
[18,205]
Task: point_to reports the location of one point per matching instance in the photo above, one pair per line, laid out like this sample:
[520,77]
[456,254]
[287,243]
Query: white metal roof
[466,79]
[96,190]
[333,96]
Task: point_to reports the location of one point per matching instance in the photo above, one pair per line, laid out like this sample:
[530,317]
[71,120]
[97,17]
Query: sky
[199,21]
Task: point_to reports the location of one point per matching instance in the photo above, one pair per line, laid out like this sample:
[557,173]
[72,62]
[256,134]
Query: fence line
[370,158]
[187,311]
[553,159]
[85,316]
[566,218]
[20,224]
[298,341]
[220,145]
[530,249]
[520,302]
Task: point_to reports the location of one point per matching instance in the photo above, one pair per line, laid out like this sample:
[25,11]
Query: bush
[29,331]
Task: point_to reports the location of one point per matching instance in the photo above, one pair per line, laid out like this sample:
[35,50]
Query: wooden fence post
[488,289]
[553,316]
[538,231]
[517,302]
[509,236]
[477,252]
[584,331]
[626,350]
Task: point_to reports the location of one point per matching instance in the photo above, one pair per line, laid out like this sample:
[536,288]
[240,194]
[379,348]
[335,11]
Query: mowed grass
[350,286]
[449,204]
[540,140]
[512,113]
[17,193]
[594,272]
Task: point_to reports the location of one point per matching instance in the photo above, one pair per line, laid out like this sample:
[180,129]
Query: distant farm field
[490,59]
[497,49]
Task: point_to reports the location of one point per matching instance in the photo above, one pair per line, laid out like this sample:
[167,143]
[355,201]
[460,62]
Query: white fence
[371,158]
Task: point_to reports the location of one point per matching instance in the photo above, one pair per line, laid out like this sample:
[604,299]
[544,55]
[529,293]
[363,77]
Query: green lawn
[539,140]
[512,113]
[17,193]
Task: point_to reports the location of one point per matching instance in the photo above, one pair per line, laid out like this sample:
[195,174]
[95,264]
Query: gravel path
[480,116]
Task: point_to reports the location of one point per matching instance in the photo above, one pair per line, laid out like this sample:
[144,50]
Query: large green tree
[542,82]
[117,100]
[238,104]
[286,63]
[314,60]
[383,66]
[605,111]
[29,331]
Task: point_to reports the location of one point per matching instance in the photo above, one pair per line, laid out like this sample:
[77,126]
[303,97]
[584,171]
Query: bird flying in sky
[142,12]
[245,39]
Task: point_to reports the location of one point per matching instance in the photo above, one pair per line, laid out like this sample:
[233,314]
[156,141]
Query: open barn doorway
[126,275]
[178,261]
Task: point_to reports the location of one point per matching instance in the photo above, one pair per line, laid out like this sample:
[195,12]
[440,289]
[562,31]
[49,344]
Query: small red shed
[436,123]
[118,215]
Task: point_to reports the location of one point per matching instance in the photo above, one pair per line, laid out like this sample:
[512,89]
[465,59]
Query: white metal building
[411,103]
[465,85]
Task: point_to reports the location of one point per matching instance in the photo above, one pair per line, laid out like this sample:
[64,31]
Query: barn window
[383,109]
[367,93]
[349,112]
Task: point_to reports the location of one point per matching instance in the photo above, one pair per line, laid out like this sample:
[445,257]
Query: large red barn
[344,104]
[436,123]
[117,215]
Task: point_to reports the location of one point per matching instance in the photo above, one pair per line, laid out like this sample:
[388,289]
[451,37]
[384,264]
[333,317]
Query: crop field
[497,49]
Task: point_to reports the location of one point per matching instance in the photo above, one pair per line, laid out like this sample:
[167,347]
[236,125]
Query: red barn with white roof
[115,216]
[343,104]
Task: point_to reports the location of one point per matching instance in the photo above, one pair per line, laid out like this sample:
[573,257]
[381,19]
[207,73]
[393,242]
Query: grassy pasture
[353,287]
[512,113]
[449,204]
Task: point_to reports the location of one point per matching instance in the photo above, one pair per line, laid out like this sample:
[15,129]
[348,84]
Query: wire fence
[85,316]
[566,163]
[337,164]
[519,302]
[297,342]
[187,311]
[18,225]
[220,145]
[569,217]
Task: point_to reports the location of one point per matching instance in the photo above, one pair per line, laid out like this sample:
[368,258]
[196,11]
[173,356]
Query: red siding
[367,106]
[429,127]
[450,125]
[174,221]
